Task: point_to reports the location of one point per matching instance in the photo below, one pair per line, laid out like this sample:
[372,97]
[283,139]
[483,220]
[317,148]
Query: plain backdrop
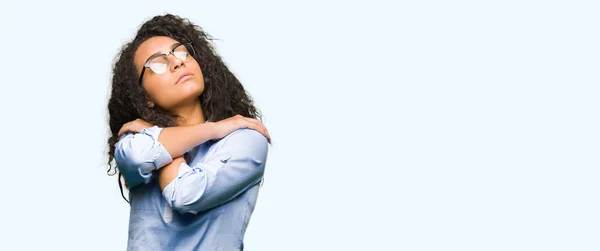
[397,125]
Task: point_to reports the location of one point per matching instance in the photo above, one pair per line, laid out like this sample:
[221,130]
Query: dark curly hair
[223,95]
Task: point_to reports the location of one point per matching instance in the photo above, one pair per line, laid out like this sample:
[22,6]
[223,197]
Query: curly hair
[223,95]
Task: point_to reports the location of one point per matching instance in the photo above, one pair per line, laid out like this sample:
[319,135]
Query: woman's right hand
[229,125]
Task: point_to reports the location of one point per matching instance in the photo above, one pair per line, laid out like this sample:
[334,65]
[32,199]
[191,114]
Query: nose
[175,62]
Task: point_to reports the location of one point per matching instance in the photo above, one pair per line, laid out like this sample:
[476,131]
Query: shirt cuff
[161,155]
[186,189]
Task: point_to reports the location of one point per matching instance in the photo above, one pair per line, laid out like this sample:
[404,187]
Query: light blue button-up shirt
[207,207]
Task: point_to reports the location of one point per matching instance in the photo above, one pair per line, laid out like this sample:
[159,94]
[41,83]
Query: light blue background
[413,125]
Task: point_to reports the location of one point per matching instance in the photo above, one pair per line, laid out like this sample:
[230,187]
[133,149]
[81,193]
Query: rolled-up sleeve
[138,154]
[237,165]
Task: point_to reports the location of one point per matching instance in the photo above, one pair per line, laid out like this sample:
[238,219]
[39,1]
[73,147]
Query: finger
[268,135]
[253,123]
[262,126]
[258,126]
[123,129]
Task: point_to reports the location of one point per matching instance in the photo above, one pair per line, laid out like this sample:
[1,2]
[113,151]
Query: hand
[134,126]
[227,126]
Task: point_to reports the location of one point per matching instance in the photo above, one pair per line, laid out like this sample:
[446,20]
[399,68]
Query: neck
[191,114]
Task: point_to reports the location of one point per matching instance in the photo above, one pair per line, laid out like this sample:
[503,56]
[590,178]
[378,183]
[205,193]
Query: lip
[183,76]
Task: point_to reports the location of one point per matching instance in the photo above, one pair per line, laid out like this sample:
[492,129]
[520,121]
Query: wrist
[211,129]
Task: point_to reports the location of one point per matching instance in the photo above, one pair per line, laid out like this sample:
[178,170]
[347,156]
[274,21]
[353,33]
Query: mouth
[183,77]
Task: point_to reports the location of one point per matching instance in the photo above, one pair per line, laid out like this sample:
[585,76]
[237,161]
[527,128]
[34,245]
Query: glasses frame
[188,47]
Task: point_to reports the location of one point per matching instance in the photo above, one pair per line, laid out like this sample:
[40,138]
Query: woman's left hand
[134,126]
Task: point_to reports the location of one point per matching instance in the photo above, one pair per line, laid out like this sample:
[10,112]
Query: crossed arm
[236,164]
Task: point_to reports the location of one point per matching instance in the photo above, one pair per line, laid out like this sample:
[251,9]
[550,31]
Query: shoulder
[147,135]
[249,136]
[248,141]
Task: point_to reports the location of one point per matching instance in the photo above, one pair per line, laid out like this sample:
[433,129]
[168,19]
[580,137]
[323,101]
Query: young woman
[186,140]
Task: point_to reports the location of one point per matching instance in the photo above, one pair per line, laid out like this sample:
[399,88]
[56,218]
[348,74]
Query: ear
[150,104]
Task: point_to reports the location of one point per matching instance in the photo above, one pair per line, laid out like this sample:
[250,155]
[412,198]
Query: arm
[137,155]
[236,164]
[178,140]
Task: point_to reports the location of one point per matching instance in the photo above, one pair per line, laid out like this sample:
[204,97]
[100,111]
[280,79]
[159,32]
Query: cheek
[195,68]
[157,86]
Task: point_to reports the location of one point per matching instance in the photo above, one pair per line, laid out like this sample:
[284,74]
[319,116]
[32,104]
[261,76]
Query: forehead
[152,45]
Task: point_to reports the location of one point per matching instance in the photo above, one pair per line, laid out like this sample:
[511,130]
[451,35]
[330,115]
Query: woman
[185,139]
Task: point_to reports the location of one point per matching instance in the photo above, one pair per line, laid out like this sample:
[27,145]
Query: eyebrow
[158,53]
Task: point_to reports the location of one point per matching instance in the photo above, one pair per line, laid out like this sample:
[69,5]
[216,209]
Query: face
[170,81]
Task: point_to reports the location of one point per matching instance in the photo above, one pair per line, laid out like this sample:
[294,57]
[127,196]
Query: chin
[194,88]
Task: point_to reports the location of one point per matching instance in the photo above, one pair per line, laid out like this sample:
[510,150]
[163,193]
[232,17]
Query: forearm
[177,140]
[208,184]
[233,165]
[138,155]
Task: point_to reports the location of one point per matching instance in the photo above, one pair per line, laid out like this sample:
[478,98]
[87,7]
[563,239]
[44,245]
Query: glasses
[159,63]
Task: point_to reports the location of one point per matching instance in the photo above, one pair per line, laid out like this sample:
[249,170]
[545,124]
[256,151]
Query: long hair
[223,95]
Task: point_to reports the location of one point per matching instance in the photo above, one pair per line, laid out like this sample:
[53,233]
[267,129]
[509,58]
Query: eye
[181,55]
[158,68]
